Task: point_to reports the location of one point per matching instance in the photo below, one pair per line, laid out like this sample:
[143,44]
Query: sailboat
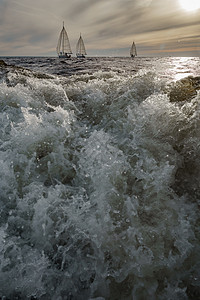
[80,48]
[63,47]
[133,51]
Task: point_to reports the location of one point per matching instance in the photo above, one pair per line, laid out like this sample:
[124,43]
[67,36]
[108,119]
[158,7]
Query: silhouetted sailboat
[63,48]
[133,51]
[80,48]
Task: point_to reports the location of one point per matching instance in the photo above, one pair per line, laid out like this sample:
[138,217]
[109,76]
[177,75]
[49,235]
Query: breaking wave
[99,189]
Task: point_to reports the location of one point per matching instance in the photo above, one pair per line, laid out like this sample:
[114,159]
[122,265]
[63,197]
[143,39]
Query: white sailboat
[80,48]
[133,51]
[63,47]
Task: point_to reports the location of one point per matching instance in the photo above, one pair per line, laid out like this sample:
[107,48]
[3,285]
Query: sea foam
[99,188]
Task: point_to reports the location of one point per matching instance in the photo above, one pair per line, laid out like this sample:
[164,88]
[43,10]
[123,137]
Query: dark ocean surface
[100,178]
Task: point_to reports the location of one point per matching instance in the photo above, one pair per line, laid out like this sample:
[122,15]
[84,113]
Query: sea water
[100,179]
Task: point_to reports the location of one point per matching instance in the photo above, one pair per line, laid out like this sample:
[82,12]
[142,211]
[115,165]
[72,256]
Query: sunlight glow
[190,5]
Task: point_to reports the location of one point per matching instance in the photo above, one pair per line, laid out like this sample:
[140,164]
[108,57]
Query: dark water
[168,67]
[100,172]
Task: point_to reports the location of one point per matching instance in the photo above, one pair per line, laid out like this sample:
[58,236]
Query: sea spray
[99,187]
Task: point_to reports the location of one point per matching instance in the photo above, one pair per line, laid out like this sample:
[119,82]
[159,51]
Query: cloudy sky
[108,27]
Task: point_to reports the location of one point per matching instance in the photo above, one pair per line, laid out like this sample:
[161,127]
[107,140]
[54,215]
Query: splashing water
[99,190]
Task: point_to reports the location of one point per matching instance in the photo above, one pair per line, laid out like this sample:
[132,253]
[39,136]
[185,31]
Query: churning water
[100,179]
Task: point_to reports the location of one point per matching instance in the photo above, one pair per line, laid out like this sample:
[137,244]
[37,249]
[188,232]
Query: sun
[190,5]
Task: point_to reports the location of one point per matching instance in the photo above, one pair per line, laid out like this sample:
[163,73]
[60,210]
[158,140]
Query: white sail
[80,48]
[63,47]
[133,51]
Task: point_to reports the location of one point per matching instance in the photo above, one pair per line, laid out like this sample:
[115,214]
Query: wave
[99,187]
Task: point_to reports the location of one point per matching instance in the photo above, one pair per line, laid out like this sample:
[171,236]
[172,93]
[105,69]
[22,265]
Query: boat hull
[64,55]
[80,56]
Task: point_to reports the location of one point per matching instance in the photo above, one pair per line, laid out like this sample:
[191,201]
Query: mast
[63,37]
[63,46]
[80,47]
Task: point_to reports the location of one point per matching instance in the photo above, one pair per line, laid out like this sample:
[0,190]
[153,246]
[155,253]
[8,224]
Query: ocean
[100,178]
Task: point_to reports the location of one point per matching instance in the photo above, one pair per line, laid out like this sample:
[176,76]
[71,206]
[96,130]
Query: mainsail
[133,51]
[80,48]
[63,47]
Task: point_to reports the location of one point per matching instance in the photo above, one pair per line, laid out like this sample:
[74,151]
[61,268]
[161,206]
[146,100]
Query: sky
[108,27]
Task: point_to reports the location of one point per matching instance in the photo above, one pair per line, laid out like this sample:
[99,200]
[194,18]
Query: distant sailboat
[80,48]
[63,48]
[133,51]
